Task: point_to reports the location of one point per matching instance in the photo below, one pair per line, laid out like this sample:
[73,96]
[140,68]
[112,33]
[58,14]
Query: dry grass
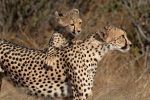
[120,79]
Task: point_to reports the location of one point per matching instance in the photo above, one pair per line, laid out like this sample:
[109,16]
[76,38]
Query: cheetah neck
[64,32]
[67,36]
[99,49]
[60,38]
[59,29]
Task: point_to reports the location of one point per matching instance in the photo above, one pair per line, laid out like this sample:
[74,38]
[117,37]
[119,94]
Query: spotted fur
[68,27]
[26,68]
[75,65]
[79,62]
[28,64]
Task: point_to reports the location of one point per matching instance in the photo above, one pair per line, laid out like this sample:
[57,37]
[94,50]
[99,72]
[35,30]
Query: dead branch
[146,57]
[140,41]
[138,27]
[128,4]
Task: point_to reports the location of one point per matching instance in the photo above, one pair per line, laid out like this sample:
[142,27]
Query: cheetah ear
[59,18]
[109,30]
[108,27]
[57,14]
[74,13]
[101,36]
[103,33]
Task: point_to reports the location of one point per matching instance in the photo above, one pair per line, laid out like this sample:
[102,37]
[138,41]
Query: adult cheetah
[68,26]
[79,62]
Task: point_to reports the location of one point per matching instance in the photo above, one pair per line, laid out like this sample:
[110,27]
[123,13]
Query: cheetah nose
[73,32]
[79,31]
[130,44]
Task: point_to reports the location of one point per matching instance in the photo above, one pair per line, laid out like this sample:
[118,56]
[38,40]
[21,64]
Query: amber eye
[122,36]
[72,24]
[60,14]
[80,22]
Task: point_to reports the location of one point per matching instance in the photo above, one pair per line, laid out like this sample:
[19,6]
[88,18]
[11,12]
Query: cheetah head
[70,21]
[116,38]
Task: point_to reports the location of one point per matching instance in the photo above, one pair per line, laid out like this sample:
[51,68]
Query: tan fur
[80,60]
[70,23]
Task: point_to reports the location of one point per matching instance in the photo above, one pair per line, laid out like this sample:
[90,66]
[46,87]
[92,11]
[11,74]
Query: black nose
[130,45]
[73,32]
[78,31]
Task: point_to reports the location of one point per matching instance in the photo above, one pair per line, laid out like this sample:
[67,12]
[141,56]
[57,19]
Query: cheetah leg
[91,97]
[1,77]
[1,70]
[78,93]
[51,61]
[81,89]
[48,98]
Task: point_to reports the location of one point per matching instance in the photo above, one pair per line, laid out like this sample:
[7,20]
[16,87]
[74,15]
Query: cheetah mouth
[72,36]
[124,47]
[75,33]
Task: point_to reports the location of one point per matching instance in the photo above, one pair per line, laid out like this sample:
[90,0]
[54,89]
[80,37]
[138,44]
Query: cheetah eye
[122,36]
[72,24]
[80,22]
[60,14]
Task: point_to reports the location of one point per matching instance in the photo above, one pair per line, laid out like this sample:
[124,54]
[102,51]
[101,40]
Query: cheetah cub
[68,27]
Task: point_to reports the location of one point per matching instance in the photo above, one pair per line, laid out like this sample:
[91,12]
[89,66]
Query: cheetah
[80,61]
[68,27]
